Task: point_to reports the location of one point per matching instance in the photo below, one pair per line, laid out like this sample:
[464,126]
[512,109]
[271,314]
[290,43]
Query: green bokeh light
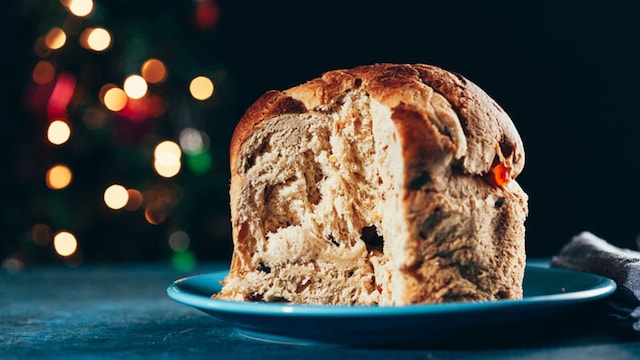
[200,162]
[184,260]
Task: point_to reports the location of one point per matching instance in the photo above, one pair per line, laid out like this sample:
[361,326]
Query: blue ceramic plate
[549,294]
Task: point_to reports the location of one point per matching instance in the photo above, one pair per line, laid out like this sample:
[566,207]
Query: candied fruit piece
[501,174]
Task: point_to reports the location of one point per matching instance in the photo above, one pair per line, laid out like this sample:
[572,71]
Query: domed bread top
[481,132]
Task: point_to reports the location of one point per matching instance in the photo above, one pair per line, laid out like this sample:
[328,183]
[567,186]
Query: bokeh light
[58,132]
[43,72]
[179,241]
[12,265]
[201,87]
[167,161]
[96,39]
[206,14]
[199,163]
[55,39]
[135,86]
[169,148]
[58,177]
[195,143]
[72,57]
[138,109]
[167,170]
[116,197]
[154,217]
[192,140]
[134,201]
[154,71]
[65,243]
[61,95]
[156,105]
[115,99]
[103,91]
[80,8]
[41,234]
[184,261]
[159,200]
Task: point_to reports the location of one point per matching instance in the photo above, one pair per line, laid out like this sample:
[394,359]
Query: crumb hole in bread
[505,149]
[468,271]
[499,203]
[371,238]
[264,268]
[313,175]
[263,148]
[333,240]
[256,297]
[302,285]
[418,182]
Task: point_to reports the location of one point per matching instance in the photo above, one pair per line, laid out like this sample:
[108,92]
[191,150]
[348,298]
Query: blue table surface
[122,310]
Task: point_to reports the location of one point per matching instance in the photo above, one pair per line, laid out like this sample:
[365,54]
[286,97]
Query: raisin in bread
[385,184]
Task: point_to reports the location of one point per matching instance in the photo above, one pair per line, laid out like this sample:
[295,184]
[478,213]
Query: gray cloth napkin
[588,253]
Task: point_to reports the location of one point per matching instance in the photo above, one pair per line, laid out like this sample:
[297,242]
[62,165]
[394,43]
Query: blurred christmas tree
[123,150]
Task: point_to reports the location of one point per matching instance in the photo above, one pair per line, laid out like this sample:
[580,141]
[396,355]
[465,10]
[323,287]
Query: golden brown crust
[484,123]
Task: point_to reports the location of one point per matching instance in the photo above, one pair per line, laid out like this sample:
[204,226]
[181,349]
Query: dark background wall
[567,75]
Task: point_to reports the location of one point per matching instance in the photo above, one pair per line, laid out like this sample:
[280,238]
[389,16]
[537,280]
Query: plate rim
[602,288]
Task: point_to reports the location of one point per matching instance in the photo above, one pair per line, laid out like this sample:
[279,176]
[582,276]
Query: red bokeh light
[206,14]
[61,95]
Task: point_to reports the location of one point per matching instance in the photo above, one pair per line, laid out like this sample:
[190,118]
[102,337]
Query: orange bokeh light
[115,99]
[58,177]
[43,73]
[135,200]
[154,217]
[80,8]
[65,243]
[154,71]
[96,39]
[41,234]
[201,87]
[167,161]
[135,86]
[116,197]
[58,132]
[55,38]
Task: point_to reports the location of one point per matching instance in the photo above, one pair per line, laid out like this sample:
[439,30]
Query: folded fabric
[588,253]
